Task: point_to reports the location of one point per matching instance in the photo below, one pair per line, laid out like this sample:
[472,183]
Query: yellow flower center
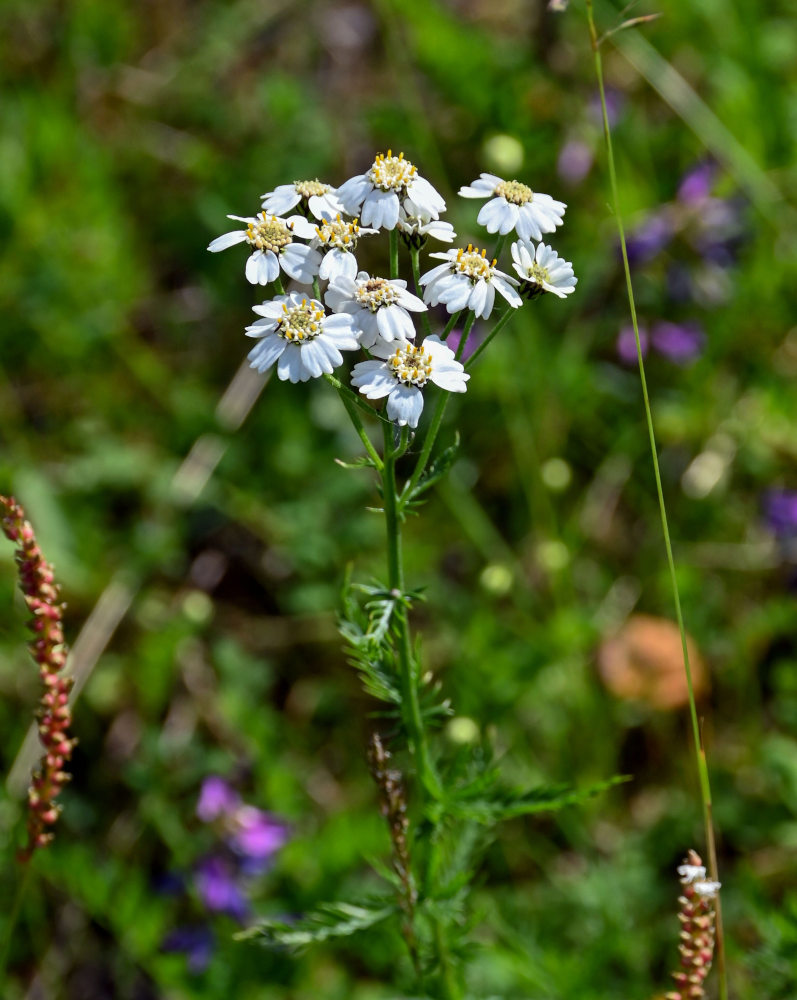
[339,234]
[473,262]
[536,274]
[392,173]
[270,234]
[514,191]
[307,189]
[375,293]
[411,365]
[301,323]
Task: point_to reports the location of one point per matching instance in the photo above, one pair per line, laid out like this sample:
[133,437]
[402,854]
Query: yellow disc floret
[269,233]
[308,189]
[473,262]
[339,234]
[392,173]
[300,323]
[536,274]
[375,293]
[514,191]
[411,365]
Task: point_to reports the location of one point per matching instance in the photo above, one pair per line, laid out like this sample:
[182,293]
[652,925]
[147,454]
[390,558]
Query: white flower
[514,206]
[273,240]
[708,890]
[379,308]
[543,270]
[320,198]
[391,183]
[468,281]
[404,372]
[691,873]
[417,228]
[299,338]
[337,241]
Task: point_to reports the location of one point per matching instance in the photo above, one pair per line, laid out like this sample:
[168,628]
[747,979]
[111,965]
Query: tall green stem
[496,329]
[702,768]
[416,274]
[394,248]
[395,570]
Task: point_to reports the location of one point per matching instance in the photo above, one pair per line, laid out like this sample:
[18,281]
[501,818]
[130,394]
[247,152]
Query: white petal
[261,327]
[440,351]
[253,268]
[340,330]
[272,309]
[290,365]
[528,227]
[300,262]
[302,227]
[478,299]
[352,194]
[508,292]
[372,379]
[314,358]
[381,209]
[227,240]
[263,355]
[409,301]
[456,292]
[452,381]
[405,405]
[281,200]
[268,267]
[435,273]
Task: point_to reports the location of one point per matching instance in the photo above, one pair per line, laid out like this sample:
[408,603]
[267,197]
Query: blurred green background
[208,543]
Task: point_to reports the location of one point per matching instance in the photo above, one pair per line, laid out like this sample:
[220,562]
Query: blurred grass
[128,132]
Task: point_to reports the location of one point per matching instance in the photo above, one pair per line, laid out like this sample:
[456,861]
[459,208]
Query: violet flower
[780,508]
[626,344]
[216,798]
[680,343]
[218,889]
[196,942]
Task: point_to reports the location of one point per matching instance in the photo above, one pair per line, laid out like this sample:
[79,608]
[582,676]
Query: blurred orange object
[644,662]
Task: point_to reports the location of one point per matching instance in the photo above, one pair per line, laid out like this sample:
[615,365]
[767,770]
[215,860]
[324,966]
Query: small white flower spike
[416,229]
[404,372]
[691,873]
[391,184]
[468,280]
[707,890]
[299,338]
[320,198]
[337,241]
[542,270]
[274,247]
[380,309]
[515,206]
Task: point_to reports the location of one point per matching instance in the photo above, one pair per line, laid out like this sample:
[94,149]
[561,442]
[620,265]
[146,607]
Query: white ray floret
[297,336]
[275,247]
[691,873]
[468,280]
[707,889]
[337,241]
[513,205]
[403,373]
[320,198]
[416,229]
[543,270]
[391,183]
[380,308]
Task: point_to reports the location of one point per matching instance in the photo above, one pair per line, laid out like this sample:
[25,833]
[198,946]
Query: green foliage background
[129,130]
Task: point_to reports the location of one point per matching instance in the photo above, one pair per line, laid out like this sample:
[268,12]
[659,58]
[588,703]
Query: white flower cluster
[695,876]
[304,335]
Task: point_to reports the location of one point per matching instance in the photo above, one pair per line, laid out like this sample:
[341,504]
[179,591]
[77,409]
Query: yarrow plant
[383,348]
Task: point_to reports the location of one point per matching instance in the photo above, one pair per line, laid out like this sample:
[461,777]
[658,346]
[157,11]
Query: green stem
[316,288]
[499,246]
[13,917]
[450,326]
[278,285]
[353,397]
[502,321]
[700,758]
[394,250]
[416,274]
[354,416]
[448,980]
[395,569]
[437,418]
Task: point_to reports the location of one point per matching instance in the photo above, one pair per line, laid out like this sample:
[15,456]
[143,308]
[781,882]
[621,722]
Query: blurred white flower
[708,890]
[392,183]
[380,309]
[337,241]
[320,198]
[515,206]
[404,372]
[691,873]
[468,280]
[542,270]
[273,240]
[296,335]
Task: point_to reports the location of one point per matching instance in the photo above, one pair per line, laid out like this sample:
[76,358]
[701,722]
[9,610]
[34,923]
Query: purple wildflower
[453,342]
[216,798]
[258,835]
[575,161]
[649,239]
[615,101]
[780,507]
[626,344]
[218,889]
[697,183]
[680,343]
[196,942]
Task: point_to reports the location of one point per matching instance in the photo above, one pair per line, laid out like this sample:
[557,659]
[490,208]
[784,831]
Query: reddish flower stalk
[47,647]
[697,929]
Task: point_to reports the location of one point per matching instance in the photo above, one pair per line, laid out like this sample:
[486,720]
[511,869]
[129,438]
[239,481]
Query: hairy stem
[702,768]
